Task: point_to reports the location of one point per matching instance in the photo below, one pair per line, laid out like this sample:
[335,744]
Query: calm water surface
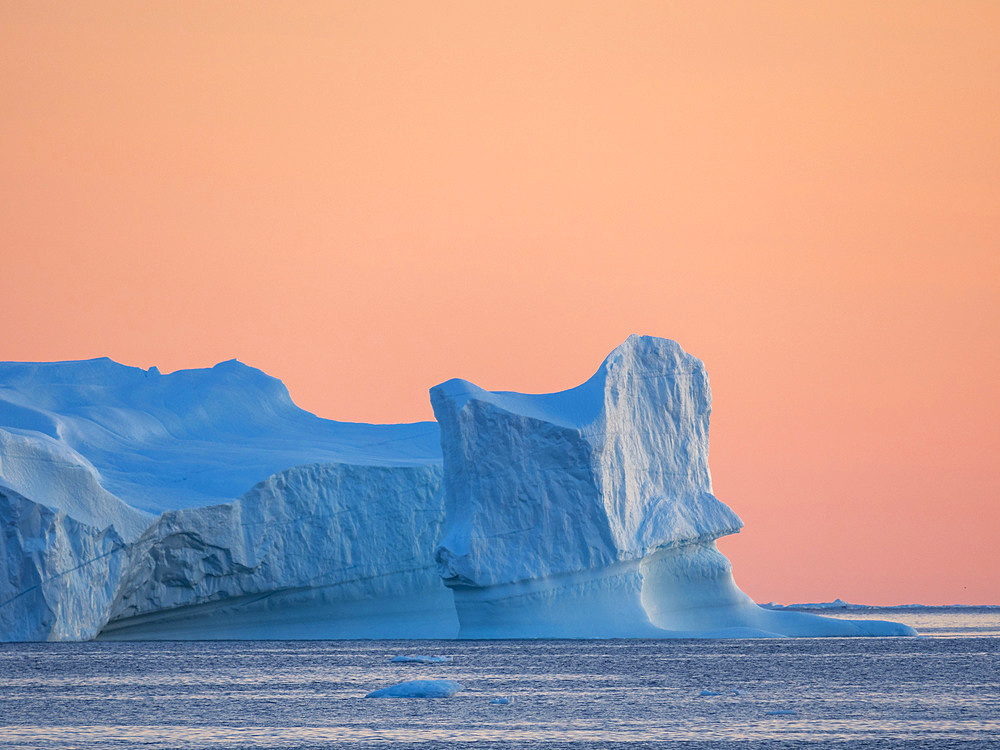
[938,691]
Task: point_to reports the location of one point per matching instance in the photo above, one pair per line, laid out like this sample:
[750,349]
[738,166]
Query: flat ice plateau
[204,504]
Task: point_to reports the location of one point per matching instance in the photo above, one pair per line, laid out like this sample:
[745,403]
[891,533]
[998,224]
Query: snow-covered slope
[590,513]
[187,439]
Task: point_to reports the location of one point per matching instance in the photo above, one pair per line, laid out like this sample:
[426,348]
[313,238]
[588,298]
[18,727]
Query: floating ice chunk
[500,701]
[735,691]
[705,693]
[780,713]
[418,689]
[421,659]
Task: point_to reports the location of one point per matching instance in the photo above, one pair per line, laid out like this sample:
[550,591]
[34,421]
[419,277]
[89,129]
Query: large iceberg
[590,513]
[206,504]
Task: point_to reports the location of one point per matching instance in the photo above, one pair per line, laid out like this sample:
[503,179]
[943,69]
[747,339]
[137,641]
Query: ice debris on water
[500,701]
[784,712]
[418,689]
[706,693]
[421,659]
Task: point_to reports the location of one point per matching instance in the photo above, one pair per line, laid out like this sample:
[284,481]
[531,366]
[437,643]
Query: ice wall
[317,551]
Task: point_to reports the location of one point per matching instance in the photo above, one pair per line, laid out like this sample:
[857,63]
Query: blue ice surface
[418,689]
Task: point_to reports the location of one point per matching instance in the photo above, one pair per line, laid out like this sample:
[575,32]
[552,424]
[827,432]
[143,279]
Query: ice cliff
[60,575]
[317,551]
[206,504]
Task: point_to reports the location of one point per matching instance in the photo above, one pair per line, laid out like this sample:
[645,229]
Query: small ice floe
[421,659]
[735,691]
[500,701]
[784,712]
[706,693]
[418,689]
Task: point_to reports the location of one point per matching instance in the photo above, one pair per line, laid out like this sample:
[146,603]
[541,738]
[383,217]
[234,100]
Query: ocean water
[940,690]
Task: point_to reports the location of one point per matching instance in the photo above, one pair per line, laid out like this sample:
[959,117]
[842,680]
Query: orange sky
[366,199]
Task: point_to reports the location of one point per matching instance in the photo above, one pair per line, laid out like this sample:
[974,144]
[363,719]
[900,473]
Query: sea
[938,690]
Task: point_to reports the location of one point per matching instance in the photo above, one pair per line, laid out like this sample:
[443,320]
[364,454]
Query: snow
[614,468]
[188,439]
[418,689]
[205,504]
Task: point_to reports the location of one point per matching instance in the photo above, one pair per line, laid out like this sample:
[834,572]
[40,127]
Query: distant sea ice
[420,659]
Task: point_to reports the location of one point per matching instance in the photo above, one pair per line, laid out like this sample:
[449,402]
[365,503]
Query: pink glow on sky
[366,199]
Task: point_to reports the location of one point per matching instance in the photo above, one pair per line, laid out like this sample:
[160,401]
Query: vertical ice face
[554,500]
[538,485]
[58,576]
[317,551]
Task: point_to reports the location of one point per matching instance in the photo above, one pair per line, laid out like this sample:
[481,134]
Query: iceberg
[589,512]
[419,689]
[205,504]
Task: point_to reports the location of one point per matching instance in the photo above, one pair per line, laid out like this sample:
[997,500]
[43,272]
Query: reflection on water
[930,691]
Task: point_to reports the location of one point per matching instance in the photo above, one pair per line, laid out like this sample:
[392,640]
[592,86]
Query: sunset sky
[365,199]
